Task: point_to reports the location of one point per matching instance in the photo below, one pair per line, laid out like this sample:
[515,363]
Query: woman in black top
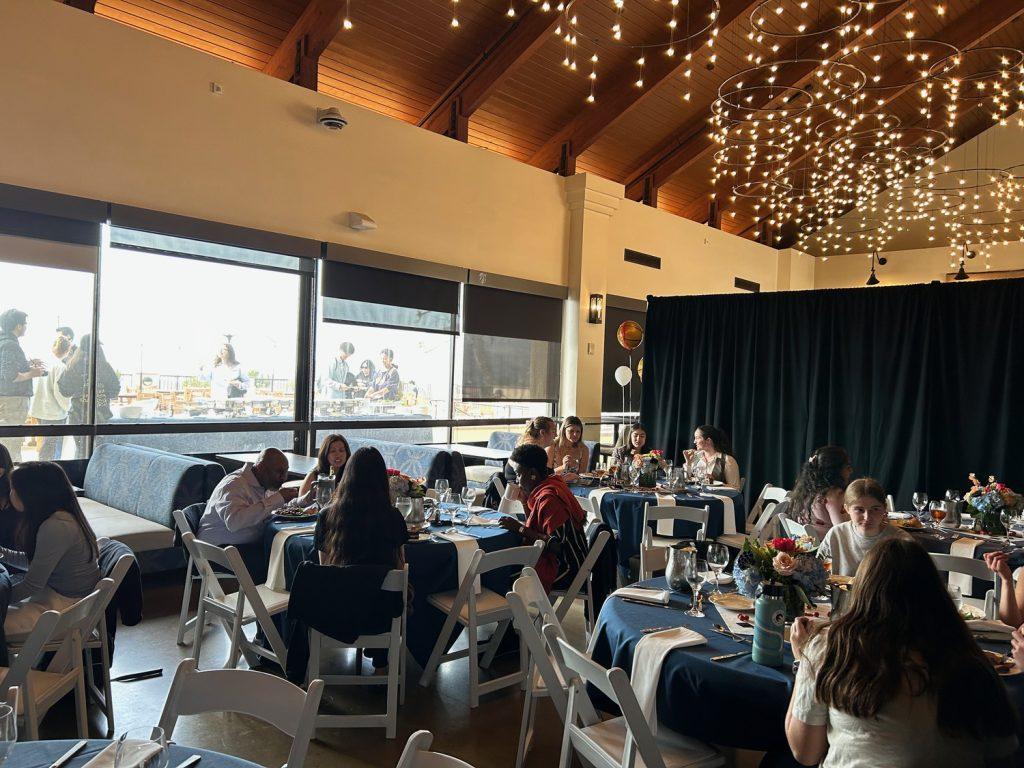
[74,384]
[361,526]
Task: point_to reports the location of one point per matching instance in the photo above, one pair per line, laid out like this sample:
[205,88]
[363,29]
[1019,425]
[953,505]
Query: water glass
[8,727]
[693,572]
[441,486]
[956,595]
[404,506]
[718,558]
[920,502]
[144,747]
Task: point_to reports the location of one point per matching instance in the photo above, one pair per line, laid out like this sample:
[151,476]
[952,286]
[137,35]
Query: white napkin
[105,759]
[477,520]
[648,657]
[465,548]
[989,626]
[665,527]
[963,547]
[728,512]
[655,596]
[275,568]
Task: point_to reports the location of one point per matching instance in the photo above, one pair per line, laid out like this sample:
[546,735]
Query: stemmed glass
[468,496]
[718,558]
[693,572]
[441,486]
[142,748]
[920,502]
[938,513]
[1006,518]
[404,506]
[8,725]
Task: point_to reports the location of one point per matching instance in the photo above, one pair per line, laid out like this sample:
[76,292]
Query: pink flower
[784,564]
[782,544]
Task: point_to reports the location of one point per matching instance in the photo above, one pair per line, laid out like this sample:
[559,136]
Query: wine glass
[8,725]
[920,502]
[404,506]
[693,572]
[144,747]
[718,558]
[938,513]
[1006,518]
[441,486]
[467,497]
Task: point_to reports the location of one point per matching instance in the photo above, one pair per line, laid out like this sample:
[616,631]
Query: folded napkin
[656,596]
[137,752]
[989,627]
[465,548]
[648,658]
[963,547]
[275,567]
[728,512]
[477,520]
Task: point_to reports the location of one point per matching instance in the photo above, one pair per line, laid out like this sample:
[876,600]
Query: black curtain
[922,384]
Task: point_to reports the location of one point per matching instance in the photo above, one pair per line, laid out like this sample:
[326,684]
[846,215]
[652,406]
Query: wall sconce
[596,308]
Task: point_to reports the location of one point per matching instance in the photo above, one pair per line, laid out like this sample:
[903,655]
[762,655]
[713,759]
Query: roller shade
[49,253]
[509,314]
[46,227]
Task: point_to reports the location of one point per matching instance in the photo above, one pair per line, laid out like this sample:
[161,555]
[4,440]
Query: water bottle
[324,489]
[769,625]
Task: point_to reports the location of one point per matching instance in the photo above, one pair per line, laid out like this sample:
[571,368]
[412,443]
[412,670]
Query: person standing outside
[49,405]
[387,385]
[340,378]
[16,374]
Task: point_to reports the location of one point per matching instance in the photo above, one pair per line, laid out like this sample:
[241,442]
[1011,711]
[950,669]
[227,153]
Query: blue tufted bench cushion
[419,461]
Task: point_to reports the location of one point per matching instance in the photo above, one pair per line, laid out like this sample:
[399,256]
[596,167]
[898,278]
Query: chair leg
[494,642]
[524,664]
[474,666]
[197,636]
[438,652]
[108,697]
[31,717]
[392,709]
[525,728]
[186,602]
[81,708]
[235,650]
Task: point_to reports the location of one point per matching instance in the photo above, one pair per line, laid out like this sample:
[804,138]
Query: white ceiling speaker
[360,222]
[331,118]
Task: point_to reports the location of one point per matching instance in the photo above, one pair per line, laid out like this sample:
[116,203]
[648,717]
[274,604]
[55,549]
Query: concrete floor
[485,737]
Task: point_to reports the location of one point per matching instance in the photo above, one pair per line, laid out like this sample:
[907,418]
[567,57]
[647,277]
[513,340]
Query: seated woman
[361,526]
[847,544]
[817,497]
[877,687]
[330,460]
[1011,598]
[540,431]
[55,545]
[568,455]
[711,456]
[634,444]
[552,515]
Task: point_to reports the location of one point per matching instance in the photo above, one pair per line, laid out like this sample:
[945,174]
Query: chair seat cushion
[677,750]
[734,540]
[44,685]
[486,602]
[275,602]
[137,532]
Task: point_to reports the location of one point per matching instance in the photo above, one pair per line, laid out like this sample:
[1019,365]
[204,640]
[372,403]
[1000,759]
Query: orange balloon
[630,335]
[640,369]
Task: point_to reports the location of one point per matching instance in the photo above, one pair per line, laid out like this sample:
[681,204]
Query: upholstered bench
[130,492]
[419,461]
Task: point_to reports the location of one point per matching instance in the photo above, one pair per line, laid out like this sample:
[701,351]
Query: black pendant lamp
[873,278]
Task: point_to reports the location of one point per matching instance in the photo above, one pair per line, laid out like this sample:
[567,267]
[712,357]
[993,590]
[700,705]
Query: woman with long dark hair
[55,545]
[74,384]
[568,454]
[897,681]
[361,526]
[712,457]
[330,460]
[817,497]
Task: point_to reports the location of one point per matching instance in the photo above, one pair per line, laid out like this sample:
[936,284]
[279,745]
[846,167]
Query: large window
[197,331]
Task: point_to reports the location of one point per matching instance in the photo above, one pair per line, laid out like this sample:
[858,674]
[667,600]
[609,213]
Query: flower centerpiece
[401,485]
[647,466]
[793,563]
[988,501]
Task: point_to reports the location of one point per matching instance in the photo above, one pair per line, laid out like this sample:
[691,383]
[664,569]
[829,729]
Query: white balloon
[623,375]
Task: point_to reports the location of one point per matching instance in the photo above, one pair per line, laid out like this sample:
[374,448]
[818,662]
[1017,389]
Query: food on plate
[733,601]
[1002,663]
[909,522]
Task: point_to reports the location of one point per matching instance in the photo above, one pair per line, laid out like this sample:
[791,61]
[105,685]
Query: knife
[728,656]
[188,762]
[69,754]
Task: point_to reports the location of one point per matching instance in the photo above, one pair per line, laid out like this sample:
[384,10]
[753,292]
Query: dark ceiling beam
[297,58]
[450,114]
[962,33]
[623,95]
[693,141]
[83,5]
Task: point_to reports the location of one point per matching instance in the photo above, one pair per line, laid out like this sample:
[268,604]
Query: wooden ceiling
[500,82]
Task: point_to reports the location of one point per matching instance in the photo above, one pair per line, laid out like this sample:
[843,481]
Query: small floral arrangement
[401,484]
[988,501]
[646,466]
[794,563]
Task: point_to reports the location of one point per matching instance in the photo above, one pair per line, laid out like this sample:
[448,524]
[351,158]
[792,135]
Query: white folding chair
[890,504]
[393,640]
[763,528]
[257,694]
[581,587]
[769,493]
[531,610]
[251,603]
[499,486]
[976,569]
[625,741]
[38,690]
[654,546]
[595,508]
[466,608]
[417,754]
[795,530]
[97,640]
[192,576]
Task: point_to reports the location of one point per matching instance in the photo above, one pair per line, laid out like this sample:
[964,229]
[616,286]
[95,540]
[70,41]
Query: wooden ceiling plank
[450,114]
[297,58]
[593,120]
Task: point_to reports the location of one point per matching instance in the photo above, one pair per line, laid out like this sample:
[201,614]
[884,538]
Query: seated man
[552,515]
[241,504]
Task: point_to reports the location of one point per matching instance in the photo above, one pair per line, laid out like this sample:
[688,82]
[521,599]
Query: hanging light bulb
[347,22]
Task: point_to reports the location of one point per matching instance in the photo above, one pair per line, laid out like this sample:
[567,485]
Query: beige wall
[914,266]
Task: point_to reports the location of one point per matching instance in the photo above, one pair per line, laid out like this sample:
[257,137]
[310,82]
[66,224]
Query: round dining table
[41,754]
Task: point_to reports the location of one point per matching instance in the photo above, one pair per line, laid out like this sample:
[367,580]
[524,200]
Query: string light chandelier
[827,157]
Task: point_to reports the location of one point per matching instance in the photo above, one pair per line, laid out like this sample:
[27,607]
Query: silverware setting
[725,631]
[727,656]
[188,762]
[78,747]
[649,630]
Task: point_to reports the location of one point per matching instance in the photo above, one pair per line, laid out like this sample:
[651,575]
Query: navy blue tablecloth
[734,703]
[41,754]
[623,511]
[433,567]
